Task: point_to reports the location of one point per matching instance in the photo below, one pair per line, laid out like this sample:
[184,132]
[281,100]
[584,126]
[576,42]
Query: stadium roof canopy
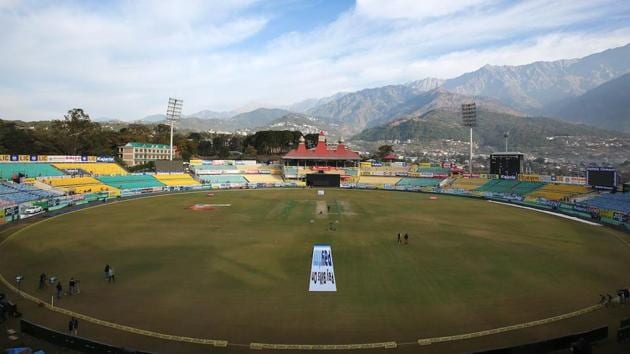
[321,151]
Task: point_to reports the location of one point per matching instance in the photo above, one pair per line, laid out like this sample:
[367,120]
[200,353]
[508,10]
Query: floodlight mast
[469,119]
[506,136]
[173,114]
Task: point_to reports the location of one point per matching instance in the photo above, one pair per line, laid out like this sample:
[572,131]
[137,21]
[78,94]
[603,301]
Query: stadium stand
[507,186]
[468,184]
[21,193]
[559,191]
[526,187]
[384,170]
[436,170]
[8,170]
[93,168]
[214,167]
[378,180]
[419,182]
[611,201]
[131,181]
[176,179]
[222,179]
[80,185]
[263,178]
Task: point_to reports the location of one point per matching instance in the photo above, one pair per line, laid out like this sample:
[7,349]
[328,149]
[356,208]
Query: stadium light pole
[469,119]
[506,136]
[173,114]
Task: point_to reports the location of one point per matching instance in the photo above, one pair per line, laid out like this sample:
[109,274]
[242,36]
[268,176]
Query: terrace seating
[611,201]
[377,180]
[94,168]
[29,169]
[468,184]
[80,185]
[526,187]
[291,170]
[15,193]
[384,170]
[131,181]
[507,186]
[214,168]
[434,170]
[419,182]
[264,178]
[221,179]
[559,191]
[176,179]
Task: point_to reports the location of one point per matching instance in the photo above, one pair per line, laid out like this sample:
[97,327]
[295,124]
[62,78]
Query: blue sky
[124,58]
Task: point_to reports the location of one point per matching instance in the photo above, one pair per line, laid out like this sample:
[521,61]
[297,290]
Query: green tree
[76,133]
[384,150]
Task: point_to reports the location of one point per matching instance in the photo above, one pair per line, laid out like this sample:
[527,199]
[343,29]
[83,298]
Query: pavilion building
[324,158]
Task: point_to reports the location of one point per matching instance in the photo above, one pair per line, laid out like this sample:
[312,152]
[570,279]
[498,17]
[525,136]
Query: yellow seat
[94,168]
[177,179]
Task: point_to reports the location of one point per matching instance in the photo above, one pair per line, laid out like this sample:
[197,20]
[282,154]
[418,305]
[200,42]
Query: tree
[250,152]
[76,133]
[310,140]
[384,150]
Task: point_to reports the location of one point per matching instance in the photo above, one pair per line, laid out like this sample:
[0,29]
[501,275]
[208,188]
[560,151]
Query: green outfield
[240,272]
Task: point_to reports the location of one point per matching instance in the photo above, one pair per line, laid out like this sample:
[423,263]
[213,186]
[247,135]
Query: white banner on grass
[322,271]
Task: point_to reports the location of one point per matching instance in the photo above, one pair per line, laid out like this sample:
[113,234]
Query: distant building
[134,153]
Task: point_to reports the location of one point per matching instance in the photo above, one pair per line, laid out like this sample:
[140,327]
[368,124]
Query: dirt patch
[321,209]
[201,207]
[207,207]
[346,208]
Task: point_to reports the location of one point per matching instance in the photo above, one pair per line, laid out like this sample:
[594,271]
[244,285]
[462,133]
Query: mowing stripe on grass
[143,332]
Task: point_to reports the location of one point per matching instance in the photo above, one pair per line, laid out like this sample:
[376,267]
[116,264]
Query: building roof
[147,145]
[321,151]
[391,156]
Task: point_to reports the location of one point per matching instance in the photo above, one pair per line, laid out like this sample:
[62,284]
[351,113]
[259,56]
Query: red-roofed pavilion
[322,157]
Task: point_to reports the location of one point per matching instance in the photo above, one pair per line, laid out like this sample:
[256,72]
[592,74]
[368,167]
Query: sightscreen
[167,166]
[323,180]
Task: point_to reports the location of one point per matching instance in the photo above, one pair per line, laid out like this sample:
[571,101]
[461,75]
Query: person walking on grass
[406,239]
[42,281]
[107,271]
[111,276]
[72,286]
[399,241]
[59,289]
[75,326]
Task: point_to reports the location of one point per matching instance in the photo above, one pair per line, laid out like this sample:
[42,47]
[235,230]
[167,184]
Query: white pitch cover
[322,271]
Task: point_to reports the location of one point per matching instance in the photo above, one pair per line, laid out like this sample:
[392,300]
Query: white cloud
[125,61]
[410,9]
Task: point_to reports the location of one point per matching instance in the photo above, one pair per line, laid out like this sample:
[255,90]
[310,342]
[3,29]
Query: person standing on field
[111,276]
[42,281]
[75,326]
[107,271]
[399,241]
[72,286]
[59,289]
[406,239]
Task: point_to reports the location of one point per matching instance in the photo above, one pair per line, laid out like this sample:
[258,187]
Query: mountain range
[525,132]
[590,90]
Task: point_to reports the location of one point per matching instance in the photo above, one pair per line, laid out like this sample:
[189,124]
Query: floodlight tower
[173,114]
[469,119]
[506,136]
